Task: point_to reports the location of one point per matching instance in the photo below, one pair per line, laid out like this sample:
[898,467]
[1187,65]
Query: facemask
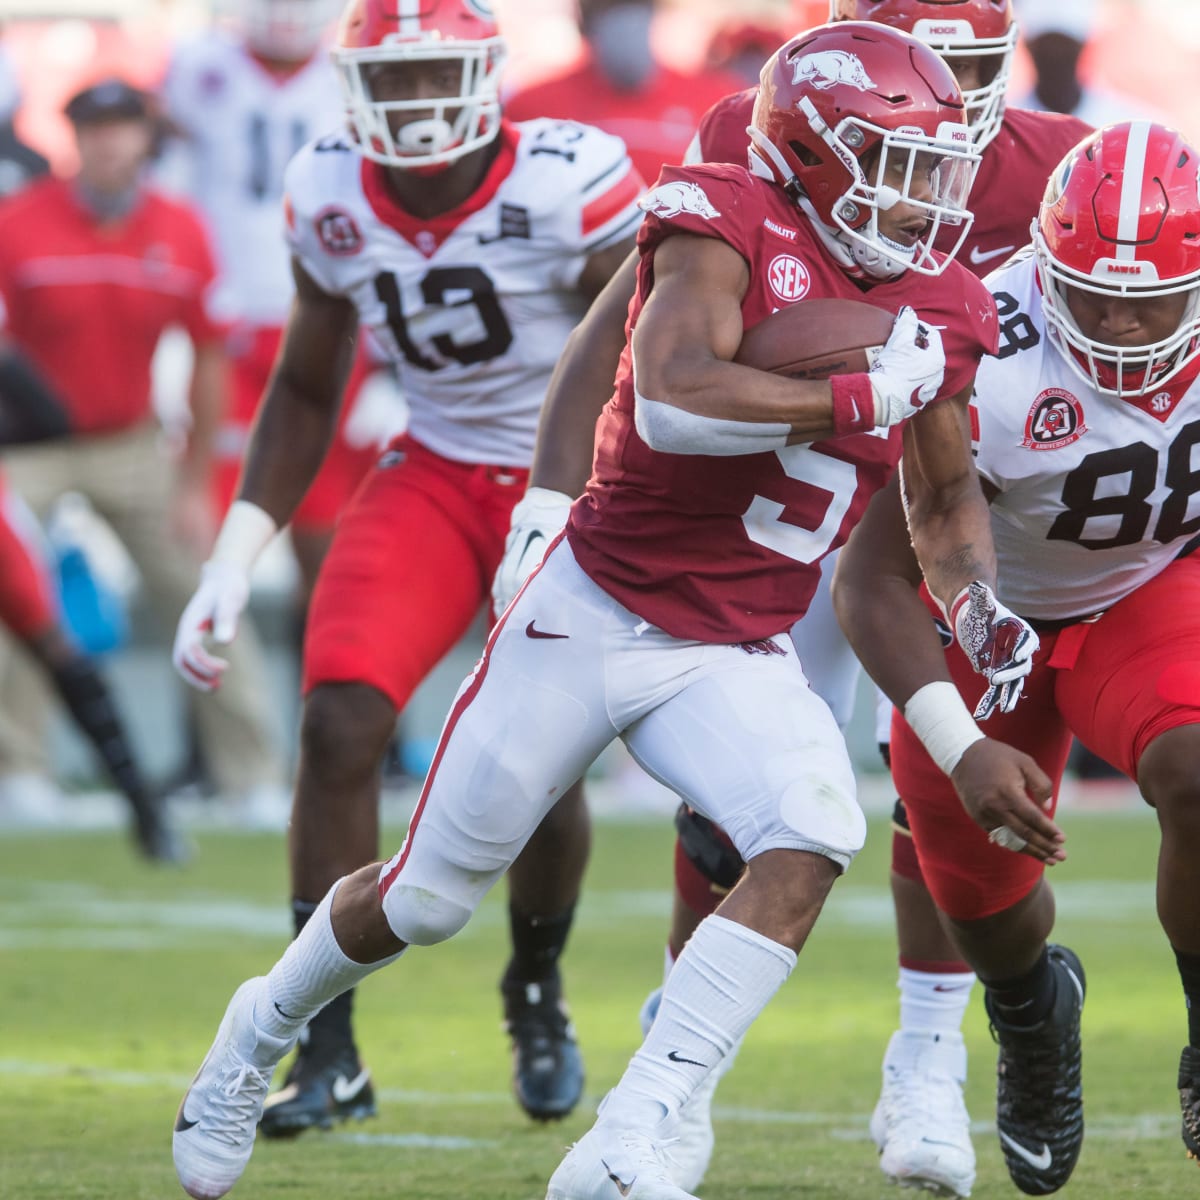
[620,42]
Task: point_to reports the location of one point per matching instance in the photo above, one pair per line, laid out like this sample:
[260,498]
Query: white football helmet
[287,30]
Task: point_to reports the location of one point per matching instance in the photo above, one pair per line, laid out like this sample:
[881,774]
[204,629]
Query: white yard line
[840,1126]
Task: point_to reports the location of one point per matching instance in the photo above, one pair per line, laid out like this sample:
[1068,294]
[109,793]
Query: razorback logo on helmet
[1054,421]
[788,277]
[678,196]
[828,68]
[338,231]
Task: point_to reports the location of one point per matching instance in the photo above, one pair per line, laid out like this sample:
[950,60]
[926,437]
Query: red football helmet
[855,98]
[372,32]
[288,30]
[1121,217]
[956,29]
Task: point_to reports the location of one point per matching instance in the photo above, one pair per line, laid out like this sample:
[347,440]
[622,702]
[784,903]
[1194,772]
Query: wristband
[937,715]
[245,533]
[853,403]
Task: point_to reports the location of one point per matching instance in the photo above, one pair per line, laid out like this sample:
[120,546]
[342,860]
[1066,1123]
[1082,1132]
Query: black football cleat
[1039,1085]
[325,1086]
[547,1065]
[1189,1100]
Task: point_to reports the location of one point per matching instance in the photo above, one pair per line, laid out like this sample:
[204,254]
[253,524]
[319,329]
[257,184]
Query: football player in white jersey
[470,247]
[1087,426]
[245,96]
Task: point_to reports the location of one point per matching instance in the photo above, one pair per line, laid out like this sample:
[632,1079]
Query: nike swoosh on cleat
[675,1056]
[182,1124]
[1039,1162]
[345,1090]
[622,1187]
[978,256]
[537,633]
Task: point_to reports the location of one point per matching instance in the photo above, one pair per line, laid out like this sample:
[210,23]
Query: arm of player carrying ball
[693,399]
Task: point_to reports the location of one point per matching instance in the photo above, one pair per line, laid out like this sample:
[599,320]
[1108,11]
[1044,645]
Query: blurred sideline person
[925,1066]
[1056,34]
[1087,423]
[621,87]
[470,246]
[29,610]
[661,616]
[245,98]
[92,270]
[19,163]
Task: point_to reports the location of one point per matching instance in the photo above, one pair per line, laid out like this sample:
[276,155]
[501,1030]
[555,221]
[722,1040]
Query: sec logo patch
[1054,421]
[788,277]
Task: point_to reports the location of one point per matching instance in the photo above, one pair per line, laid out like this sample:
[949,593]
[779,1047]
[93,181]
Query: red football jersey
[727,549]
[1006,192]
[88,302]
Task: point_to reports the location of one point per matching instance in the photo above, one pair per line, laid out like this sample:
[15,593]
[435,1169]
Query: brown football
[813,339]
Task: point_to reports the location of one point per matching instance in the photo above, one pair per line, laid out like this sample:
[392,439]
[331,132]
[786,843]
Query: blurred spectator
[244,98]
[28,611]
[19,163]
[1056,34]
[740,47]
[622,87]
[92,270]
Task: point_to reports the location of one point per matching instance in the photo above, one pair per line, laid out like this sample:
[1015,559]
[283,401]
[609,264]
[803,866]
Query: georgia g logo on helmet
[828,68]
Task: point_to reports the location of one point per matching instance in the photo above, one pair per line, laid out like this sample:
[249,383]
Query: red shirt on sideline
[656,121]
[87,302]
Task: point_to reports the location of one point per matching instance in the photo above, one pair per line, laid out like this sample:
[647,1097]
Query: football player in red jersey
[1086,431]
[661,616]
[470,246]
[926,1062]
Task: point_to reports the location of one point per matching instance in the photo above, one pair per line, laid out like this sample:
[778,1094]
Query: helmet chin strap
[855,256]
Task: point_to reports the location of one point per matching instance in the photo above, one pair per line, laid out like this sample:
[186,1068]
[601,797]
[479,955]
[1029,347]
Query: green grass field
[113,977]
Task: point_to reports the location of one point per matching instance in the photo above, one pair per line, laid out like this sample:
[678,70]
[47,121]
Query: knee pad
[421,917]
[707,848]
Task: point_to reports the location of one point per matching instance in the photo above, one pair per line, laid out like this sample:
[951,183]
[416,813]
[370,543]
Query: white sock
[312,971]
[668,963]
[721,981]
[932,1002]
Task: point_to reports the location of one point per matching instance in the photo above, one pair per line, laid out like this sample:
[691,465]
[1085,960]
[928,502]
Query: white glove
[537,520]
[909,369]
[999,644]
[214,609]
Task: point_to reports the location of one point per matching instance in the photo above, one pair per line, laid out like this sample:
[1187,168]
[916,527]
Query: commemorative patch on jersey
[339,232]
[788,277]
[678,196]
[1054,421]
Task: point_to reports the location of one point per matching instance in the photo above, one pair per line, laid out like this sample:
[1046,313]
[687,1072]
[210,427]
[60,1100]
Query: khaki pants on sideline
[128,480]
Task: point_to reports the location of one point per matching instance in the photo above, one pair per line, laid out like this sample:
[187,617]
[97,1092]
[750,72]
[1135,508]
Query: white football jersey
[1097,494]
[240,125]
[473,305]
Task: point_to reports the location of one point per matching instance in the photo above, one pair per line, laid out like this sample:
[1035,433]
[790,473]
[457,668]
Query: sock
[1026,999]
[1189,974]
[719,984]
[86,695]
[934,1001]
[334,1023]
[537,943]
[313,970]
[669,960]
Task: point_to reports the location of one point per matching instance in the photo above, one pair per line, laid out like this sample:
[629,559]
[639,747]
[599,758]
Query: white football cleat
[920,1124]
[609,1163]
[693,1148]
[217,1120]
